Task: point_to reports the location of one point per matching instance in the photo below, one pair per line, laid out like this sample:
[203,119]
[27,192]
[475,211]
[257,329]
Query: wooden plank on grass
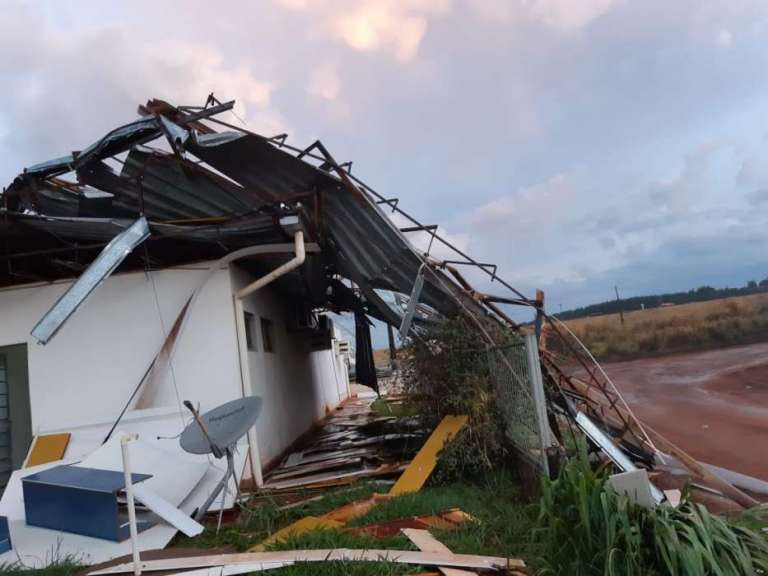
[418,471]
[356,509]
[425,542]
[338,554]
[297,528]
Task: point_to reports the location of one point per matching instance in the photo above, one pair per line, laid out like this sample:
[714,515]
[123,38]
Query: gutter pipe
[245,372]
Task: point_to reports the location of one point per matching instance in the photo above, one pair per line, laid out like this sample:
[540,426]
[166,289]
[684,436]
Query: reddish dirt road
[712,404]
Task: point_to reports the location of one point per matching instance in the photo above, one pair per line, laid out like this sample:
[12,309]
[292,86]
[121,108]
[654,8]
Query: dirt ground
[713,404]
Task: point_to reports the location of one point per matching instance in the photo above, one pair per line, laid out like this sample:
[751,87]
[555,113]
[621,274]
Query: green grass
[504,522]
[64,567]
[584,529]
[261,517]
[381,407]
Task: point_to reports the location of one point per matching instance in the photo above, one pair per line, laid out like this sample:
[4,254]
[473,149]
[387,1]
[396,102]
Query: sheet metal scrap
[106,262]
[351,444]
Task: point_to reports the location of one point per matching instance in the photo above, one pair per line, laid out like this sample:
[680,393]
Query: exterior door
[15,416]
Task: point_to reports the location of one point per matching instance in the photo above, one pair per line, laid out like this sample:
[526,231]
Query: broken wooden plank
[448,520]
[300,459]
[338,554]
[300,503]
[334,478]
[356,509]
[421,467]
[283,474]
[425,542]
[297,528]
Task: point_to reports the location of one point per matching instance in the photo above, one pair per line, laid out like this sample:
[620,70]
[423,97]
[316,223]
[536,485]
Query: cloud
[723,38]
[569,15]
[561,15]
[758,197]
[68,88]
[392,27]
[324,81]
[422,240]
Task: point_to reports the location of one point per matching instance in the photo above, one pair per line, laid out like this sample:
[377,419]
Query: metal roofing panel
[372,250]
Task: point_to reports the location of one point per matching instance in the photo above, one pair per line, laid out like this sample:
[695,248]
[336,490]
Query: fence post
[537,391]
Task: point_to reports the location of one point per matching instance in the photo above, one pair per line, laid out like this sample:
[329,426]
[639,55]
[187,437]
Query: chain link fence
[514,369]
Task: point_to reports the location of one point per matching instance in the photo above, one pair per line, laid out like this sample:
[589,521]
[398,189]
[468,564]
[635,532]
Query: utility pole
[621,312]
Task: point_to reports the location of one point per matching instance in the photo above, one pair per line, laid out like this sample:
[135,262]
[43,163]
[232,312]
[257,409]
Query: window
[250,337]
[267,337]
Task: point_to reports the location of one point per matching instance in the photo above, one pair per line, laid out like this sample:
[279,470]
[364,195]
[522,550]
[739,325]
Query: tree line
[700,294]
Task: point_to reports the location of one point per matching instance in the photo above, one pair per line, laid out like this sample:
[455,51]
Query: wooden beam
[418,471]
[425,542]
[338,554]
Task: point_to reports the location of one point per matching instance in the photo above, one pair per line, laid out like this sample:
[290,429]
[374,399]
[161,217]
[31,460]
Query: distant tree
[751,284]
[764,282]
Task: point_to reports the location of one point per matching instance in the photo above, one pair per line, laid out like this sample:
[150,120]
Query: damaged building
[181,276]
[180,258]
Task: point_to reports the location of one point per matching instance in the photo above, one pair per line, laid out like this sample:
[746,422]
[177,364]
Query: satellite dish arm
[215,450]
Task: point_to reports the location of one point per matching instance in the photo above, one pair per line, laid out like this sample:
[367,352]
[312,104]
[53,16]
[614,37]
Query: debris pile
[352,444]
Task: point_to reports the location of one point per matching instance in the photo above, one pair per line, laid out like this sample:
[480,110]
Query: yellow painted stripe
[48,448]
[414,477]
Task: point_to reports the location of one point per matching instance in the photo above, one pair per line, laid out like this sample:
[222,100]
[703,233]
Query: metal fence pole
[537,390]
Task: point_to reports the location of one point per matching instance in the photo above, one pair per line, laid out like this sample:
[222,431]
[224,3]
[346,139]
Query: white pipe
[293,263]
[245,381]
[245,373]
[131,506]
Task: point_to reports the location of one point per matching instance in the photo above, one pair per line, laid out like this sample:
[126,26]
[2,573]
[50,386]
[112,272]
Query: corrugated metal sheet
[258,166]
[371,249]
[359,240]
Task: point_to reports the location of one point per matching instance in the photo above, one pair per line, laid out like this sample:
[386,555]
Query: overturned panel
[104,264]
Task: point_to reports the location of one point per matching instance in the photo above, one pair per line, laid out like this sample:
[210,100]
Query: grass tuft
[585,529]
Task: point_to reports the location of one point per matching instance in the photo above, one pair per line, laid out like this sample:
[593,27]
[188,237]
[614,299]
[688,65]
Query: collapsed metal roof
[206,193]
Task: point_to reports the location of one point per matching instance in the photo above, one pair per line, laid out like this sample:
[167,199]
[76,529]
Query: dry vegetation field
[683,327]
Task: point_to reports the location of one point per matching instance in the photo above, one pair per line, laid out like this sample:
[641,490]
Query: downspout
[292,264]
[245,373]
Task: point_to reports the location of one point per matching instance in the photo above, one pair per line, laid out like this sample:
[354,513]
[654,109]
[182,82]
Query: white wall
[298,386]
[89,369]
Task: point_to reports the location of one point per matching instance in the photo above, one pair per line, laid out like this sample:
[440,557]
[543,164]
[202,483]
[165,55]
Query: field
[684,327]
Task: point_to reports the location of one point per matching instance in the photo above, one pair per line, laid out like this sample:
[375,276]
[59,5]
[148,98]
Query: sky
[578,144]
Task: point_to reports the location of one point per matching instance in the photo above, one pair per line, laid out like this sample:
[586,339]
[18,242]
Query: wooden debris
[300,503]
[335,478]
[448,520]
[297,528]
[421,467]
[353,443]
[425,542]
[339,554]
[356,509]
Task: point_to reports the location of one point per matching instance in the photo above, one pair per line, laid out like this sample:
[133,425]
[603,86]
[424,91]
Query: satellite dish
[222,427]
[217,432]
